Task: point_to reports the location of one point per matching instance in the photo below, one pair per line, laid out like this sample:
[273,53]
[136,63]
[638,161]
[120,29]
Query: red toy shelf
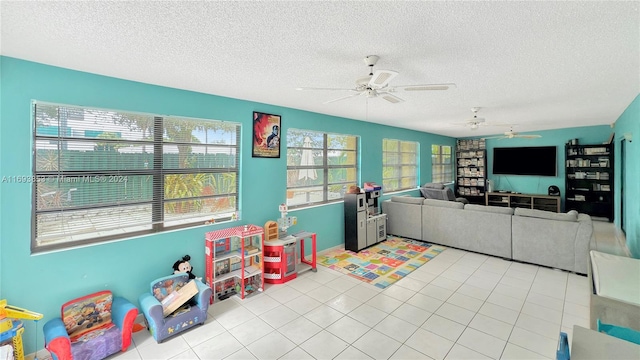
[234,261]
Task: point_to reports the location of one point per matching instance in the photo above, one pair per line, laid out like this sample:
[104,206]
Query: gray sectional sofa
[546,238]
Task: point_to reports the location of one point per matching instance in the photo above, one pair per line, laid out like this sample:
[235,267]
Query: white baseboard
[337,247]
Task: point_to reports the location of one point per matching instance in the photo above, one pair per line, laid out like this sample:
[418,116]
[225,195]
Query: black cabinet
[355,222]
[471,174]
[589,179]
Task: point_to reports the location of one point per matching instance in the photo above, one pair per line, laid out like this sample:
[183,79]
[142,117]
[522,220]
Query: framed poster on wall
[266,135]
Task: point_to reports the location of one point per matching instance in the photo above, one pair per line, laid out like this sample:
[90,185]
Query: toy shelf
[248,272]
[234,254]
[234,261]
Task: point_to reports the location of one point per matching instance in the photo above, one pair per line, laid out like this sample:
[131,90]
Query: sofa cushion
[93,346]
[489,209]
[407,199]
[541,214]
[88,316]
[443,203]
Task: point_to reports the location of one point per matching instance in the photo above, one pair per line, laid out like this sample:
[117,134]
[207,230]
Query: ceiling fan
[511,134]
[376,84]
[475,121]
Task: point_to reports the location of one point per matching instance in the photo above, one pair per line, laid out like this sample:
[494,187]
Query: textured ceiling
[538,65]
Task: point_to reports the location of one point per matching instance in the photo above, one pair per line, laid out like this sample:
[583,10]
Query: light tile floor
[460,305]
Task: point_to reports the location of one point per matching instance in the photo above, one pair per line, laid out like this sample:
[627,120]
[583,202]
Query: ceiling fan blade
[342,98]
[381,78]
[390,98]
[494,137]
[317,88]
[425,87]
[528,136]
[477,121]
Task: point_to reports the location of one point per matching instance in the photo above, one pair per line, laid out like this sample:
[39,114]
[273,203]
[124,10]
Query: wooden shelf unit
[526,201]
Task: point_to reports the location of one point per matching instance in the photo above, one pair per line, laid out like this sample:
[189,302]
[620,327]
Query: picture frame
[266,135]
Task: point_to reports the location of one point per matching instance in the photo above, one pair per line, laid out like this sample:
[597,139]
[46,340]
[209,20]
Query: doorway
[623,183]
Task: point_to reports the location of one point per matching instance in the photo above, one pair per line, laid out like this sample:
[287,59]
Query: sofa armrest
[203,298]
[585,239]
[404,218]
[56,339]
[123,315]
[152,309]
[120,308]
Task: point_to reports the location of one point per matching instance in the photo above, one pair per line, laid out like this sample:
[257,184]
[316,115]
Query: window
[102,175]
[399,165]
[320,167]
[441,165]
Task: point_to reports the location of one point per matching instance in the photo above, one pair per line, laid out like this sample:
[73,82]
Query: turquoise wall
[43,282]
[629,123]
[540,184]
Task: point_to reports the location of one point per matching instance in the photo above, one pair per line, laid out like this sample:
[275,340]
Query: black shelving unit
[589,179]
[471,174]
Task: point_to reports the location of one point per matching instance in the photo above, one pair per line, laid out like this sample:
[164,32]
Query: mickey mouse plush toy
[183,266]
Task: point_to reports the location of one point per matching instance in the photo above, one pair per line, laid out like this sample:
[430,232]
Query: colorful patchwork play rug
[382,264]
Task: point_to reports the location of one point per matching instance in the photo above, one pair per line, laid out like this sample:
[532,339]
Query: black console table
[527,201]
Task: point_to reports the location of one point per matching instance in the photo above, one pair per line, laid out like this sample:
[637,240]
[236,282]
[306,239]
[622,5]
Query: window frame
[324,168]
[158,172]
[399,165]
[438,176]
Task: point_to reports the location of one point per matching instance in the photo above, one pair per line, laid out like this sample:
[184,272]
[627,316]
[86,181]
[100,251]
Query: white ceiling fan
[511,134]
[376,84]
[475,122]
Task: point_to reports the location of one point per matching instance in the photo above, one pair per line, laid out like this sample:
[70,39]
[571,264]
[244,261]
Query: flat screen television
[534,160]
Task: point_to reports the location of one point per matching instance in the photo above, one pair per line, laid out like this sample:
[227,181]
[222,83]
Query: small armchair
[440,192]
[91,327]
[186,317]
